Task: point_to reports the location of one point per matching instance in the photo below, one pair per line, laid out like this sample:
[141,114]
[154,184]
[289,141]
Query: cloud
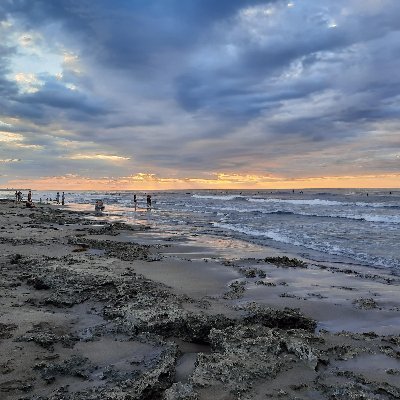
[9,160]
[191,88]
[105,157]
[5,125]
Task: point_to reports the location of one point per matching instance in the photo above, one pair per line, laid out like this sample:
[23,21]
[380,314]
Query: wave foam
[313,202]
[253,232]
[222,197]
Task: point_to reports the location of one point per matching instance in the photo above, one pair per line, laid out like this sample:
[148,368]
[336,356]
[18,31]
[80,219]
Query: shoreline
[111,310]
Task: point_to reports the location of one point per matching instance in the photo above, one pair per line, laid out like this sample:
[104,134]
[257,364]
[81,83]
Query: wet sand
[96,309]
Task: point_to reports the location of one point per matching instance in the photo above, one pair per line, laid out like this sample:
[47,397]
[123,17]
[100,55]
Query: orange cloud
[143,181]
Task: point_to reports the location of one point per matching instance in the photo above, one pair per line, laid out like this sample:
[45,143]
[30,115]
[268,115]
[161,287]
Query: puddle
[372,366]
[121,354]
[96,252]
[185,366]
[186,363]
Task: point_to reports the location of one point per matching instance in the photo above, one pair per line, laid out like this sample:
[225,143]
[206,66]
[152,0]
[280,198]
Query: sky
[179,94]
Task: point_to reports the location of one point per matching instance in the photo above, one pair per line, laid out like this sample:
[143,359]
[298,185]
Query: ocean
[351,226]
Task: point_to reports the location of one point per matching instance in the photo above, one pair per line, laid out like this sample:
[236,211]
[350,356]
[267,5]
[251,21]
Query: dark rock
[237,290]
[16,258]
[180,391]
[244,355]
[283,319]
[75,366]
[286,262]
[6,330]
[45,336]
[366,304]
[39,283]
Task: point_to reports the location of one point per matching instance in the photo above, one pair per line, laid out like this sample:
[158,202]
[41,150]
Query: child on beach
[29,204]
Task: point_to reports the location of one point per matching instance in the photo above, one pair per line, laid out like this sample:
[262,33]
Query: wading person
[148,201]
[99,207]
[63,198]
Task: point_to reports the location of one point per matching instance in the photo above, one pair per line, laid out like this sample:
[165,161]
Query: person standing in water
[29,196]
[135,201]
[148,201]
[63,198]
[58,198]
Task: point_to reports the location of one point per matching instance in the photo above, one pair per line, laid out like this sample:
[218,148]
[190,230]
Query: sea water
[352,226]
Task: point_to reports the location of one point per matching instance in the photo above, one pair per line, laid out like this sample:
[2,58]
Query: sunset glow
[220,181]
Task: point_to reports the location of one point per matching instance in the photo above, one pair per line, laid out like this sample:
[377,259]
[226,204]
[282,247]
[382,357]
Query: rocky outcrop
[284,319]
[121,250]
[243,355]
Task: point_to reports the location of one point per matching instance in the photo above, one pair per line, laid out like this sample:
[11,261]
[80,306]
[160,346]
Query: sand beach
[100,309]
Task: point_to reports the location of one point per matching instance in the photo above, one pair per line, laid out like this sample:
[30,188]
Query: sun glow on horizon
[143,181]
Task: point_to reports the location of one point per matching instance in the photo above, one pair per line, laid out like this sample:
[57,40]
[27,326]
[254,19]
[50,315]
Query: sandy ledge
[99,310]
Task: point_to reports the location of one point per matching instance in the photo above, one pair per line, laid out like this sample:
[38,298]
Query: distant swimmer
[148,201]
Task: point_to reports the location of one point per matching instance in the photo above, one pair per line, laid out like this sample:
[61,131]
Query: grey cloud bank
[188,88]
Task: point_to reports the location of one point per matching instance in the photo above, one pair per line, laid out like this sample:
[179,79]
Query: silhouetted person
[58,198]
[135,200]
[99,207]
[29,196]
[148,201]
[29,204]
[63,198]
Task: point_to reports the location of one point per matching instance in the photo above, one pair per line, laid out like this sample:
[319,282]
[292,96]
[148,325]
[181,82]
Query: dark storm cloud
[58,96]
[6,86]
[303,38]
[128,34]
[52,103]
